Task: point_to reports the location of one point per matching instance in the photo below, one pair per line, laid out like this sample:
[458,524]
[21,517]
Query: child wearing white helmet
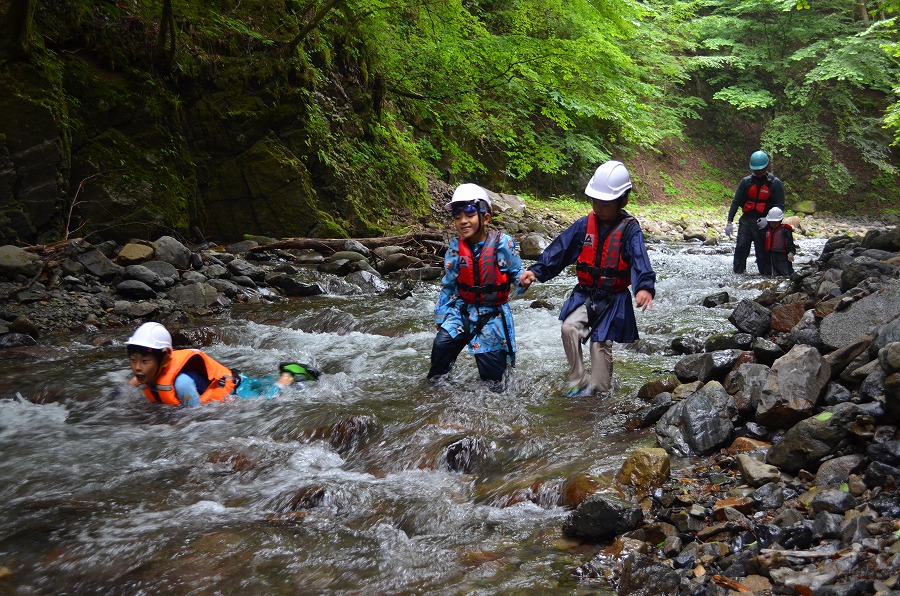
[191,377]
[607,247]
[779,244]
[472,309]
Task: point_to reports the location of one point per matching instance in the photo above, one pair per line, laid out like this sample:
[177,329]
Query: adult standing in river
[608,247]
[756,194]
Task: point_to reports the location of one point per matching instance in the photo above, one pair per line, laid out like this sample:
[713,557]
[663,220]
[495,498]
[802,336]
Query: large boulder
[845,326]
[600,517]
[793,387]
[16,261]
[810,440]
[698,425]
[751,317]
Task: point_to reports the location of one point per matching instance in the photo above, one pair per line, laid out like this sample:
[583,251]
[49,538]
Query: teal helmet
[759,160]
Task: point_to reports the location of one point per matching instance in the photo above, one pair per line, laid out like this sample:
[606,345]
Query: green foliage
[812,78]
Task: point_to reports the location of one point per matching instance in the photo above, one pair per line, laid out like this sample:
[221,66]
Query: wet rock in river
[600,517]
[751,317]
[644,468]
[699,424]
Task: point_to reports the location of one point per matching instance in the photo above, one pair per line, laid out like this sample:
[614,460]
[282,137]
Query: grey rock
[836,471]
[827,525]
[242,268]
[793,387]
[135,290]
[600,517]
[886,453]
[766,352]
[533,245]
[861,268]
[16,340]
[144,275]
[717,299]
[771,494]
[367,282]
[196,295]
[756,473]
[805,444]
[165,271]
[169,250]
[889,357]
[229,289]
[17,261]
[699,424]
[842,327]
[98,264]
[357,247]
[832,500]
[714,366]
[291,286]
[751,317]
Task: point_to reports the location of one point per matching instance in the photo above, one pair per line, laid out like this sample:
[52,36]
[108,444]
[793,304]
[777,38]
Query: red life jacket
[607,269]
[221,380]
[758,195]
[481,282]
[776,238]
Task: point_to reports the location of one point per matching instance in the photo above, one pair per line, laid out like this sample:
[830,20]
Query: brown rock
[784,317]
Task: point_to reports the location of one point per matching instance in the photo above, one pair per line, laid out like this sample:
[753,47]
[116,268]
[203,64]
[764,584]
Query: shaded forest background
[336,118]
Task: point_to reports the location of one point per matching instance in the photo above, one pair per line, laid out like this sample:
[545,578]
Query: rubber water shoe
[578,392]
[295,369]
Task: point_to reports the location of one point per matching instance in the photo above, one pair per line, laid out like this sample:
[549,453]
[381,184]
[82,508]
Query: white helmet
[151,335]
[609,182]
[775,214]
[469,193]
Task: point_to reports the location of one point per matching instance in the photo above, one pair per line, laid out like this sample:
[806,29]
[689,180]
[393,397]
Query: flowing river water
[104,492]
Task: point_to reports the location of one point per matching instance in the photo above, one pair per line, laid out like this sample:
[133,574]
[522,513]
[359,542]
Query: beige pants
[574,328]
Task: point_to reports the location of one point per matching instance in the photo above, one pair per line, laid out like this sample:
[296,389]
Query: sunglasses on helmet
[467,208]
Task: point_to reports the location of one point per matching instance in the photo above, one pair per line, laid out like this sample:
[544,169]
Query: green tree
[808,82]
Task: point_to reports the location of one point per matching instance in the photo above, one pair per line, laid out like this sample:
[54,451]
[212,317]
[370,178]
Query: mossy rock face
[33,159]
[266,190]
[141,198]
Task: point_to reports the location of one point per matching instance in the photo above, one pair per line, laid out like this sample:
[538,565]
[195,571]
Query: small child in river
[191,377]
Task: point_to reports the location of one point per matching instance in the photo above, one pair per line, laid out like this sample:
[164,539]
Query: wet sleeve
[642,275]
[186,390]
[561,253]
[777,194]
[447,298]
[738,199]
[508,258]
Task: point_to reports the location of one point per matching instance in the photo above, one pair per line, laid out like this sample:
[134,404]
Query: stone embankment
[78,286]
[792,421]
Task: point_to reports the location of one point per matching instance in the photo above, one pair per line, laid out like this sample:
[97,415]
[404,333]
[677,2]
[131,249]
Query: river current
[104,492]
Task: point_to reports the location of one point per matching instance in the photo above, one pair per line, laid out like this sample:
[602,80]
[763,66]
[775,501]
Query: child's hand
[644,300]
[527,278]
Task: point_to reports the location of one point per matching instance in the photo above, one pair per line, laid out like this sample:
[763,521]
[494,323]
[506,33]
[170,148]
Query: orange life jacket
[758,195]
[221,380]
[776,238]
[607,269]
[480,281]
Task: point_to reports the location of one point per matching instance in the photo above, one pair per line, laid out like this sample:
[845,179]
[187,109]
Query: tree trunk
[336,244]
[863,13]
[165,44]
[15,34]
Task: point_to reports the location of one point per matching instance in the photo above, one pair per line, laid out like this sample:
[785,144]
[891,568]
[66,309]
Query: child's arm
[186,390]
[447,298]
